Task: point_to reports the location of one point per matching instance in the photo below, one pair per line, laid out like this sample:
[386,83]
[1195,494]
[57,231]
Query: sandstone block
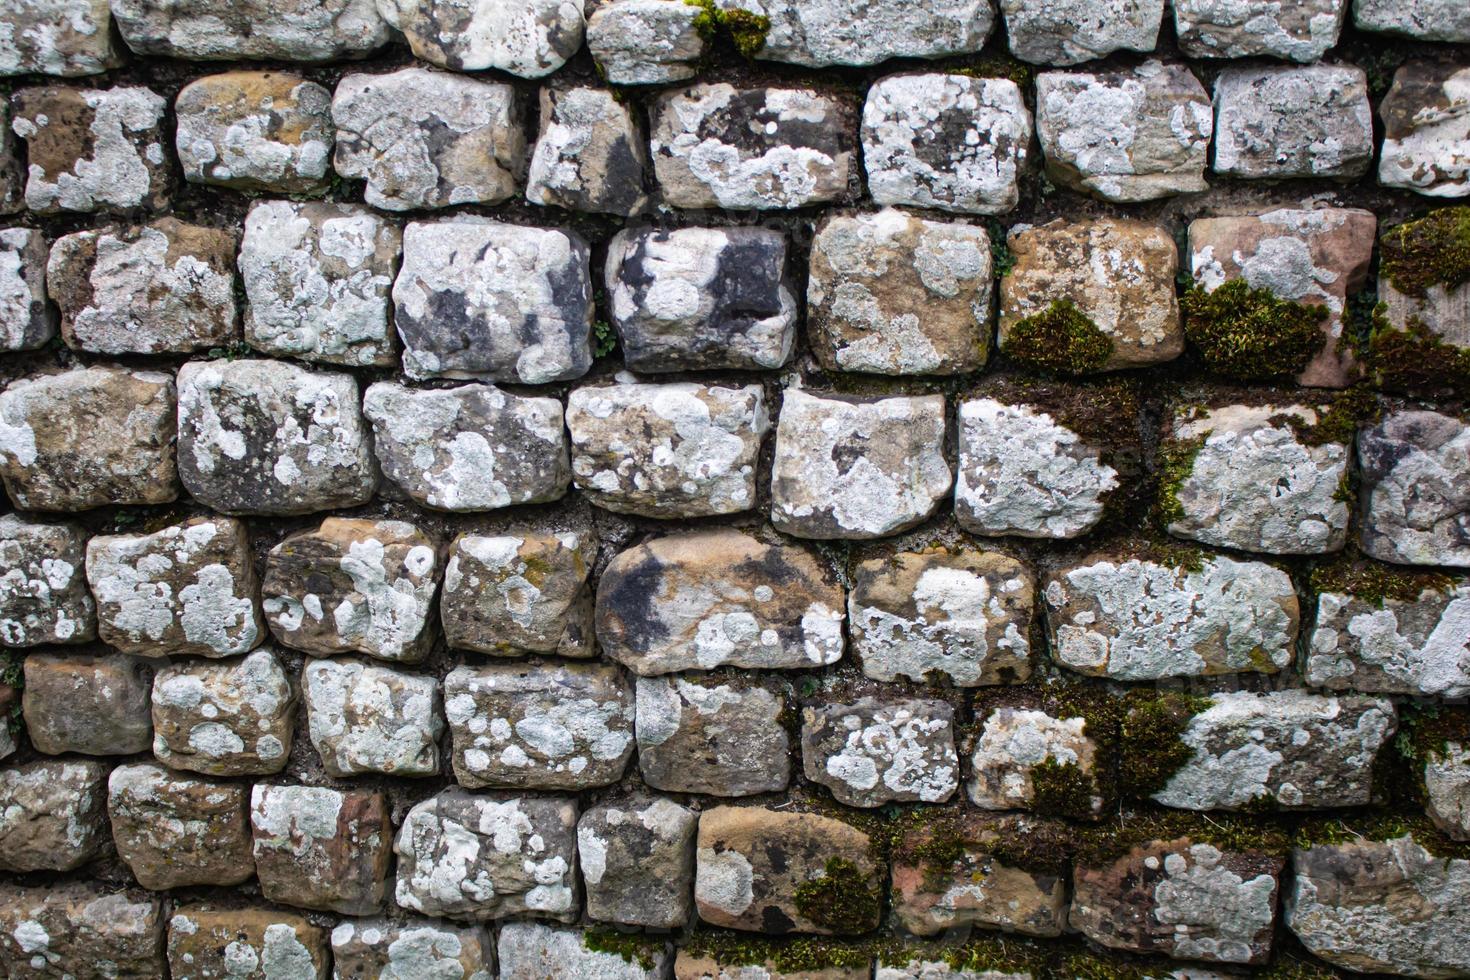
[68,929]
[228,718]
[43,591]
[387,948]
[206,942]
[255,131]
[637,859]
[321,848]
[645,42]
[535,951]
[289,30]
[58,37]
[177,831]
[590,155]
[1073,31]
[26,321]
[529,38]
[519,593]
[1425,20]
[1021,753]
[1414,503]
[1293,122]
[364,718]
[723,738]
[1426,140]
[871,752]
[53,814]
[89,703]
[851,32]
[1299,32]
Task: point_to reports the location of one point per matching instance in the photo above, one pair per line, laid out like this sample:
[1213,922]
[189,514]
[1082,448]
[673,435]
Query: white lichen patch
[1215,914]
[363,718]
[869,753]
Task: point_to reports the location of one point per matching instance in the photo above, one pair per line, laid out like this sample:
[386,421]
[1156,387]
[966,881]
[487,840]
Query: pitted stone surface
[1137,619]
[67,929]
[637,859]
[268,437]
[291,30]
[1302,31]
[965,616]
[475,858]
[1426,121]
[53,814]
[58,37]
[701,298]
[206,943]
[1414,503]
[865,32]
[364,718]
[716,146]
[1293,122]
[1447,789]
[26,321]
[1068,32]
[671,450]
[488,301]
[700,600]
[317,277]
[529,38]
[645,42]
[353,586]
[1392,645]
[1013,742]
[724,737]
[872,752]
[425,139]
[950,142]
[539,726]
[590,155]
[471,448]
[1425,20]
[388,949]
[174,831]
[227,718]
[89,703]
[535,951]
[43,587]
[321,848]
[893,294]
[520,593]
[255,131]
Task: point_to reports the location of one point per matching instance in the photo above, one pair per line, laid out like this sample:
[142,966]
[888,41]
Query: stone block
[637,860]
[206,942]
[519,593]
[68,929]
[26,320]
[53,814]
[176,831]
[874,752]
[321,848]
[719,737]
[1414,501]
[589,156]
[88,703]
[43,586]
[365,718]
[235,30]
[224,718]
[528,38]
[1293,122]
[255,131]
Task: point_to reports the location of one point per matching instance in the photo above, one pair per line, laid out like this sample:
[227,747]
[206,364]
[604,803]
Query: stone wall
[828,490]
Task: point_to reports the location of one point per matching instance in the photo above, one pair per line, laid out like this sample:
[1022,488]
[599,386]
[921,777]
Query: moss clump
[786,955]
[12,679]
[1099,846]
[1176,461]
[1358,828]
[1061,340]
[1152,751]
[1415,359]
[1432,251]
[631,946]
[1350,410]
[1375,582]
[746,29]
[1062,789]
[843,899]
[1251,334]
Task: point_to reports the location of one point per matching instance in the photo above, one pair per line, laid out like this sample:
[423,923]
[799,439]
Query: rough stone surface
[949,142]
[364,718]
[520,593]
[1447,789]
[230,718]
[1293,122]
[1425,20]
[43,591]
[321,848]
[723,737]
[1013,742]
[692,966]
[291,30]
[1414,504]
[1298,32]
[53,814]
[387,949]
[89,703]
[529,38]
[424,139]
[872,752]
[637,859]
[1426,121]
[863,32]
[706,599]
[26,321]
[176,831]
[534,951]
[58,37]
[1391,645]
[590,155]
[205,943]
[645,42]
[255,131]
[68,929]
[1068,32]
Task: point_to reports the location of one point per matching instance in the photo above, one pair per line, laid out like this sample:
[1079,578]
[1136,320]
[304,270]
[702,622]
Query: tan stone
[174,831]
[53,814]
[518,593]
[78,929]
[91,703]
[321,848]
[255,131]
[224,718]
[208,942]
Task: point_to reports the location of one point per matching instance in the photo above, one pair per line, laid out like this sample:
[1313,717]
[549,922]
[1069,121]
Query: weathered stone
[1069,32]
[1314,257]
[1425,20]
[716,146]
[707,599]
[693,966]
[1185,900]
[871,752]
[71,929]
[850,468]
[206,943]
[187,589]
[854,32]
[470,448]
[1392,644]
[539,726]
[529,38]
[776,872]
[487,301]
[519,593]
[229,718]
[950,142]
[426,139]
[671,450]
[1382,907]
[893,294]
[91,703]
[1288,749]
[1128,135]
[385,949]
[637,858]
[1014,744]
[1446,776]
[534,951]
[43,593]
[1429,311]
[92,150]
[353,586]
[476,858]
[1426,122]
[645,42]
[268,437]
[26,321]
[1139,619]
[719,737]
[589,156]
[363,718]
[1414,504]
[58,37]
[255,131]
[701,298]
[53,814]
[89,437]
[288,30]
[1293,122]
[1299,31]
[11,185]
[1118,273]
[922,969]
[964,616]
[321,848]
[175,831]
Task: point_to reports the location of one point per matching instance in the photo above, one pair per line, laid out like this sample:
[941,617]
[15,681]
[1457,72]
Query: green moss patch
[1431,251]
[633,947]
[786,955]
[1357,828]
[1415,359]
[746,29]
[1100,846]
[1059,340]
[1176,461]
[1348,411]
[1374,581]
[1251,334]
[843,899]
[1151,751]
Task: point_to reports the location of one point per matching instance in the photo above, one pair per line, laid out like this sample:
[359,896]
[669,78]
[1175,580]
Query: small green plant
[1251,334]
[231,353]
[1176,463]
[746,29]
[1059,340]
[604,339]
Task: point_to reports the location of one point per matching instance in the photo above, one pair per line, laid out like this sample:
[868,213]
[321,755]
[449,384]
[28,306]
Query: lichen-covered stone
[689,965]
[226,718]
[43,591]
[233,30]
[255,131]
[1068,32]
[637,859]
[716,146]
[211,943]
[539,726]
[871,752]
[387,949]
[365,718]
[1433,305]
[487,301]
[268,437]
[1014,742]
[88,437]
[950,142]
[1293,122]
[53,814]
[535,951]
[589,156]
[645,42]
[519,593]
[1288,749]
[706,599]
[177,831]
[1446,775]
[529,38]
[890,293]
[70,928]
[1139,619]
[58,37]
[187,589]
[818,33]
[427,139]
[852,468]
[353,586]
[670,450]
[721,737]
[470,448]
[1424,20]
[26,320]
[701,298]
[1426,122]
[1390,644]
[1414,504]
[1302,31]
[321,848]
[476,858]
[1128,135]
[89,703]
[92,150]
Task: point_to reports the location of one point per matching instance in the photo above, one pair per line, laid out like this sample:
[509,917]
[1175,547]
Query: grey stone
[53,814]
[533,951]
[234,30]
[68,929]
[872,752]
[26,321]
[529,38]
[1424,20]
[1301,31]
[488,301]
[1392,644]
[268,437]
[206,942]
[922,143]
[1446,776]
[701,298]
[590,155]
[366,718]
[646,42]
[689,965]
[1426,122]
[1068,32]
[58,37]
[1414,503]
[43,589]
[720,737]
[1013,742]
[321,848]
[255,131]
[426,139]
[865,32]
[922,969]
[224,718]
[388,948]
[176,831]
[1293,122]
[637,859]
[88,703]
[518,593]
[716,146]
[857,469]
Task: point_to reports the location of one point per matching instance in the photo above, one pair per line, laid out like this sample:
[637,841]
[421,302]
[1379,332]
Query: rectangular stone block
[321,848]
[67,929]
[176,831]
[43,588]
[723,737]
[206,942]
[93,703]
[53,814]
[519,593]
[230,717]
[366,718]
